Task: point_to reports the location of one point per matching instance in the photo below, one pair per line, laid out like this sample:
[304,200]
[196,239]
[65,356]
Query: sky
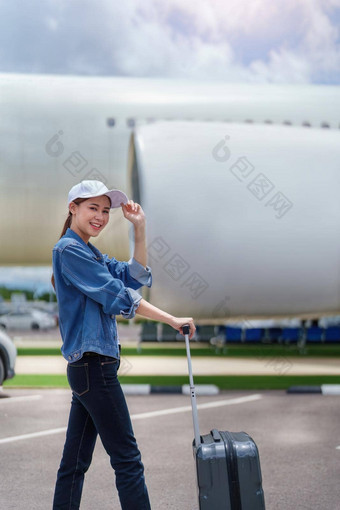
[253,41]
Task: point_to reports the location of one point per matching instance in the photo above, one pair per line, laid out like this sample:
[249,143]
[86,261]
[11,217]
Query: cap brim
[117,197]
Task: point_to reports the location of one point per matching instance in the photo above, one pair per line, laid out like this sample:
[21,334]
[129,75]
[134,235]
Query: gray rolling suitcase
[227,463]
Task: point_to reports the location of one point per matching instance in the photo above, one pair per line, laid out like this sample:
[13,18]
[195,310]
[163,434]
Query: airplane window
[268,121]
[287,122]
[111,122]
[249,121]
[130,123]
[306,124]
[325,125]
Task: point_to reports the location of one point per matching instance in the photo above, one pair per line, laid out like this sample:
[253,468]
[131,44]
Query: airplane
[239,184]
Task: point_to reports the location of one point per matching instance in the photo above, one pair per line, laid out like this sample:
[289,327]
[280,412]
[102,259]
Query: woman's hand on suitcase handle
[178,322]
[150,311]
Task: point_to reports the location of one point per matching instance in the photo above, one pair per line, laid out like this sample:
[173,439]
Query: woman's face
[90,217]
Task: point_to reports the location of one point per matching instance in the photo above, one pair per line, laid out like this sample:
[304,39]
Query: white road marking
[330,389]
[18,399]
[34,434]
[337,447]
[208,405]
[141,416]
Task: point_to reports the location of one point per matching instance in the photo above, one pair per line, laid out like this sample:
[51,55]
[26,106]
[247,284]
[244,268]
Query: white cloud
[239,40]
[282,67]
[321,42]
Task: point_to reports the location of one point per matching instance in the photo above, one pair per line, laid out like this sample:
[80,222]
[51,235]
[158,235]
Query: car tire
[35,325]
[3,326]
[2,371]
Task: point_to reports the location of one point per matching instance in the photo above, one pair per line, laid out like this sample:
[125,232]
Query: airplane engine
[242,220]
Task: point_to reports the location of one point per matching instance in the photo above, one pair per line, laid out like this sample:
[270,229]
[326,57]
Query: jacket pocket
[78,378]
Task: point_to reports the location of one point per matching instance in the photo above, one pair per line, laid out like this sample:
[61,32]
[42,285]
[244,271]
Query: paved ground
[298,438]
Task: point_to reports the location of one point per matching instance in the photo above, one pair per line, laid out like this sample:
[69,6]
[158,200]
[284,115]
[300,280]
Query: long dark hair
[67,225]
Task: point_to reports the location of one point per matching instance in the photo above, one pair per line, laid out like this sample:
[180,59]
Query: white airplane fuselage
[239,184]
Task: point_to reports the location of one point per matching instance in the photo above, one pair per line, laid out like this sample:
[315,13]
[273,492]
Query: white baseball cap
[88,189]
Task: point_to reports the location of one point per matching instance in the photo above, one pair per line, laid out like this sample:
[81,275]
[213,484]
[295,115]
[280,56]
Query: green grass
[37,381]
[223,382]
[38,351]
[251,351]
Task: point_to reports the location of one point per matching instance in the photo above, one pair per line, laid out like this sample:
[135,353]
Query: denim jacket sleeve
[93,279]
[131,273]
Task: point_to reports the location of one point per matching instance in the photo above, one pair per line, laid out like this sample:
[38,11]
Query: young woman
[91,290]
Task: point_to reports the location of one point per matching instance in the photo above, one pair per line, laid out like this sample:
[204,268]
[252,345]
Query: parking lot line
[140,416]
[18,399]
[208,405]
[32,435]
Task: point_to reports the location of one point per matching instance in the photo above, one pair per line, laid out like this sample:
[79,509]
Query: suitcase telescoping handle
[186,330]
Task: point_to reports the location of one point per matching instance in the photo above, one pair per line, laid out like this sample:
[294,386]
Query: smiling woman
[91,290]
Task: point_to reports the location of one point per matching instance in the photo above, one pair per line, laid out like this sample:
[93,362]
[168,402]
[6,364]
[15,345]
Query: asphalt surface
[298,437]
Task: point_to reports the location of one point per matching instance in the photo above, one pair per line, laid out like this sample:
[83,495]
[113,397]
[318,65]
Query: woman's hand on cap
[134,213]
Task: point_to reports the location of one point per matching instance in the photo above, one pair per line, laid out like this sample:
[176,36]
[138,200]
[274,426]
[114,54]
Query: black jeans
[99,407]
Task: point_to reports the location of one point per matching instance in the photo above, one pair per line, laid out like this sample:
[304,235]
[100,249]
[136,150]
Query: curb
[2,393]
[324,389]
[147,389]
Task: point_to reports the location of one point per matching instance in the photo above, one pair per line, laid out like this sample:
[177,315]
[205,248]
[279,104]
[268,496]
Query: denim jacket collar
[71,233]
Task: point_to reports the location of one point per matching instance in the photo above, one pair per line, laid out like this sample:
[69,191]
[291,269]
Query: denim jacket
[91,290]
